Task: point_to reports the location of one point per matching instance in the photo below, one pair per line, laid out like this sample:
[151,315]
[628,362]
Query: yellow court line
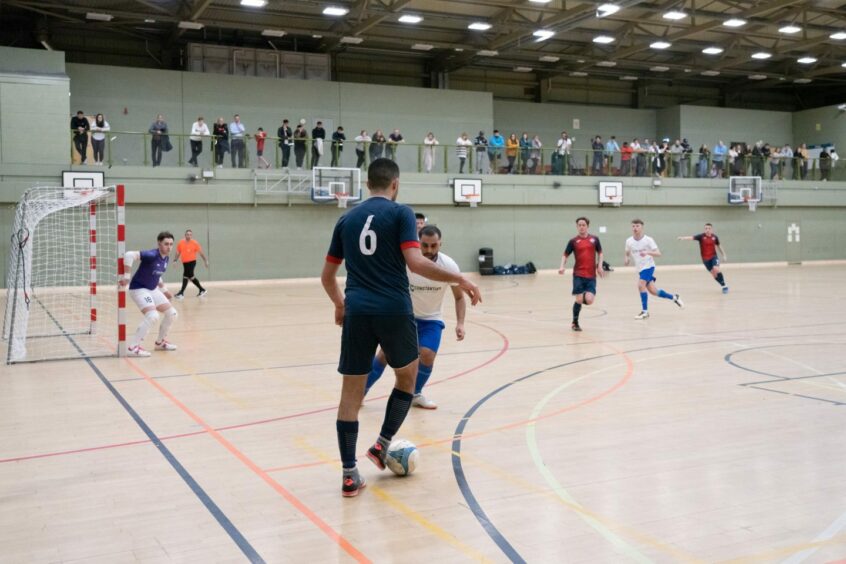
[393,502]
[787,550]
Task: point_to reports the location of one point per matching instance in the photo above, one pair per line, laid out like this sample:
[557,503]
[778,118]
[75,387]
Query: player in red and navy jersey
[586,248]
[377,239]
[709,245]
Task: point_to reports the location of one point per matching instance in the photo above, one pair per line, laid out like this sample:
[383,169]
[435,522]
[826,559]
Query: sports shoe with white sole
[179,297]
[137,351]
[164,345]
[642,315]
[678,301]
[725,289]
[420,400]
[352,484]
[377,455]
[202,293]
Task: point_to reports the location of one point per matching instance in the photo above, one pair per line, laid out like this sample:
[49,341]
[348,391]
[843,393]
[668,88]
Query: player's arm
[685,238]
[418,264]
[129,257]
[205,260]
[176,259]
[600,259]
[164,289]
[626,254]
[460,310]
[330,284]
[654,252]
[564,258]
[721,251]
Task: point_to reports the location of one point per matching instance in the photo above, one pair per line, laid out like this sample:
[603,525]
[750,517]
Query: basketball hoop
[343,198]
[752,203]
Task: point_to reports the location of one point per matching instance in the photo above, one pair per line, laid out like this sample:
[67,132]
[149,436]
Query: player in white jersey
[641,249]
[427,297]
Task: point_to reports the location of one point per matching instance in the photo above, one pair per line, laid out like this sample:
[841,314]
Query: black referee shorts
[188,269]
[396,334]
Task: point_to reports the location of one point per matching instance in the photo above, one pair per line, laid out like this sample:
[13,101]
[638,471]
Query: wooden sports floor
[716,433]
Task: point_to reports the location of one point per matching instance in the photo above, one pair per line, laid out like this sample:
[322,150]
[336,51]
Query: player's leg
[397,334]
[144,300]
[194,280]
[429,339]
[642,288]
[358,345]
[376,370]
[655,291]
[713,267]
[168,315]
[187,273]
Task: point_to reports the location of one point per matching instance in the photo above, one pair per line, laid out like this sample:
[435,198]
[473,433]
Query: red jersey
[260,136]
[585,248]
[707,245]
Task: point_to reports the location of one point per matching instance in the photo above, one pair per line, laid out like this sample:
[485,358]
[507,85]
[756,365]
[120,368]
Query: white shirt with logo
[634,248]
[427,296]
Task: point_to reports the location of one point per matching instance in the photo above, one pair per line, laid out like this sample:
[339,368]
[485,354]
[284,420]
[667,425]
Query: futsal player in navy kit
[585,247]
[377,239]
[146,290]
[709,244]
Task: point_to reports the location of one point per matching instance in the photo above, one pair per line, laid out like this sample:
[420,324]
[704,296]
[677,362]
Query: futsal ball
[402,457]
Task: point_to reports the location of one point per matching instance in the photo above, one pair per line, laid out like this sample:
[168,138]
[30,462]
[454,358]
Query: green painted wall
[669,123]
[708,125]
[821,125]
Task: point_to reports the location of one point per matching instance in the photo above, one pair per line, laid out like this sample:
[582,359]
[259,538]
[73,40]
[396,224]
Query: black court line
[779,379]
[198,490]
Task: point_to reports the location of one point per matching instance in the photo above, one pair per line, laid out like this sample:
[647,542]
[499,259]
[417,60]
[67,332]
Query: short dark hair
[80,112]
[430,230]
[164,235]
[419,215]
[284,121]
[638,221]
[381,173]
[709,225]
[260,129]
[578,219]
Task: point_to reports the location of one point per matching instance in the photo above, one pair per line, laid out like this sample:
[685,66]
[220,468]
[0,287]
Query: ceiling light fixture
[97,16]
[606,10]
[422,47]
[479,26]
[522,69]
[710,73]
[838,36]
[712,50]
[674,15]
[190,25]
[660,45]
[789,29]
[540,1]
[802,81]
[352,40]
[578,73]
[807,60]
[628,77]
[549,59]
[603,39]
[757,77]
[487,53]
[659,68]
[608,64]
[254,3]
[543,34]
[761,55]
[410,19]
[149,20]
[273,33]
[335,11]
[734,22]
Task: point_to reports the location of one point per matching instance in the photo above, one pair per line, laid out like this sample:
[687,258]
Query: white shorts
[145,298]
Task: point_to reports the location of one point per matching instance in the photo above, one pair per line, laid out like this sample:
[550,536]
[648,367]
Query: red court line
[620,383]
[246,461]
[502,351]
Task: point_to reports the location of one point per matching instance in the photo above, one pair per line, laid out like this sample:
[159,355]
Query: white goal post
[65,258]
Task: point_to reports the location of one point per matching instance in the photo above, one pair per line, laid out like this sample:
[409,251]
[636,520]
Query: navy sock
[720,280]
[644,297]
[577,308]
[398,405]
[347,438]
[423,373]
[375,373]
[665,295]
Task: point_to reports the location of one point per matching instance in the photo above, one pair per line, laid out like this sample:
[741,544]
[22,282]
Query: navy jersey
[707,245]
[585,248]
[151,269]
[371,238]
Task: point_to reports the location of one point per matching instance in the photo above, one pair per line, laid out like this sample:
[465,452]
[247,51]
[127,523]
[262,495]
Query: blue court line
[216,512]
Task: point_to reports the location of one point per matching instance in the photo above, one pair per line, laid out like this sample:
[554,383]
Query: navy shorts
[711,263]
[582,285]
[396,334]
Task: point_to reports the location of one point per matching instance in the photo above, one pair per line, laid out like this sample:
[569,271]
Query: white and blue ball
[402,458]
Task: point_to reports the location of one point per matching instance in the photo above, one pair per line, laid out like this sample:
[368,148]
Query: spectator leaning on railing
[495,148]
[429,151]
[338,139]
[377,147]
[237,133]
[461,145]
[611,148]
[361,141]
[98,137]
[158,129]
[318,136]
[285,137]
[481,143]
[80,127]
[199,129]
[719,155]
[221,137]
[625,159]
[511,146]
[300,137]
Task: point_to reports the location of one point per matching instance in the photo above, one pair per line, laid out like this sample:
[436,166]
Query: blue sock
[665,295]
[375,373]
[347,437]
[423,373]
[643,300]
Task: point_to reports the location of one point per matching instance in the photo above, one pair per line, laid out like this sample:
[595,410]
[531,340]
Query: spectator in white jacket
[198,130]
[98,137]
[429,151]
[461,145]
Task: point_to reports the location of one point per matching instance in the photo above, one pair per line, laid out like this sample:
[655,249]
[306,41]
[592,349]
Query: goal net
[62,296]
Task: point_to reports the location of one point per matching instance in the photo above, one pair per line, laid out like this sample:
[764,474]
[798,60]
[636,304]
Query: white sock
[169,317]
[150,319]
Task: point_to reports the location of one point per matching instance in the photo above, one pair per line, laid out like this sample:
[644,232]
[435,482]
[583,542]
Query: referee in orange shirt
[188,249]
